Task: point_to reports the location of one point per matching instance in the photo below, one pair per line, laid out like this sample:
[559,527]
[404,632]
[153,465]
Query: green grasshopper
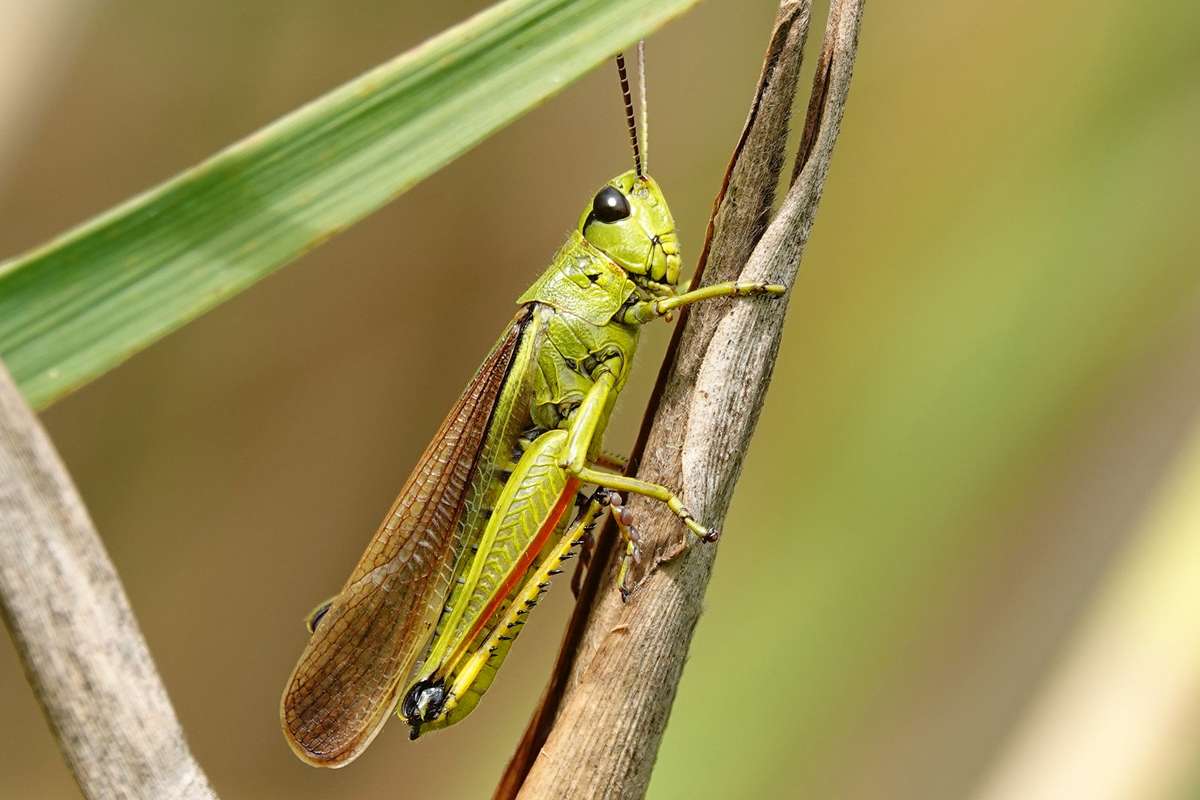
[482,523]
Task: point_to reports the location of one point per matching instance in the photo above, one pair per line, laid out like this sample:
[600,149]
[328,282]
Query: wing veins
[345,682]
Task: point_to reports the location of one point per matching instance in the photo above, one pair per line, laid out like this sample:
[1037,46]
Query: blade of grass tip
[80,305]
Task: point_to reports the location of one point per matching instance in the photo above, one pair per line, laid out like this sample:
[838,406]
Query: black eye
[610,205]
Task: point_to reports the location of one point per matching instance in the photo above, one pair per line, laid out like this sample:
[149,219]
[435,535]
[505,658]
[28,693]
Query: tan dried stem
[77,637]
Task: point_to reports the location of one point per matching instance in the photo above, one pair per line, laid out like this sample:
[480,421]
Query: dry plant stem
[615,704]
[72,625]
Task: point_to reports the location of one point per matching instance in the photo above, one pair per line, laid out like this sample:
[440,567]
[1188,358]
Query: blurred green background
[976,451]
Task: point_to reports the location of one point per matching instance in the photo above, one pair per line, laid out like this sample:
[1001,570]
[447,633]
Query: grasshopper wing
[348,677]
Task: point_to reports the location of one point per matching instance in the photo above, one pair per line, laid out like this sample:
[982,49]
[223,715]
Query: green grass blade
[77,307]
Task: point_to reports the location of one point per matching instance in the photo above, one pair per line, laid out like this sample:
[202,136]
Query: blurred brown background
[978,452]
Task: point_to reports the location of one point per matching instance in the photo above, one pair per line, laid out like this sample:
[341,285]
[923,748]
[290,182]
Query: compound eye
[610,205]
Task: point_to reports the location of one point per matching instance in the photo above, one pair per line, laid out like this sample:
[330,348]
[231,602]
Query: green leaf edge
[77,307]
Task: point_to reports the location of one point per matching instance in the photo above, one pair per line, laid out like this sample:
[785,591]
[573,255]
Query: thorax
[575,300]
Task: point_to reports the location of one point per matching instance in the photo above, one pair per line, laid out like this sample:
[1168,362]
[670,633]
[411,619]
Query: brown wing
[346,682]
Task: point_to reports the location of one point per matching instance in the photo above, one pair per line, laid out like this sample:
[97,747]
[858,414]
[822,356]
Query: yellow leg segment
[624,483]
[587,418]
[579,441]
[640,313]
[513,617]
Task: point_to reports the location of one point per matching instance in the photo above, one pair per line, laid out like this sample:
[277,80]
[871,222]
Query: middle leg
[624,483]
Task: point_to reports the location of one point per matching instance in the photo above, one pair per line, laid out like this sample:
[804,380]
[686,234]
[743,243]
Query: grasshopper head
[629,222]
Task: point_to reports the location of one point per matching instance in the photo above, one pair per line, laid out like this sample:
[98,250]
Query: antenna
[645,111]
[630,120]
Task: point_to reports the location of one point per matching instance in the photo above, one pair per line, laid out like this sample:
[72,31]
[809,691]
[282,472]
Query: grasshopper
[483,522]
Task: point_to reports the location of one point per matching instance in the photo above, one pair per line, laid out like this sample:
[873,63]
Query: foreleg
[646,310]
